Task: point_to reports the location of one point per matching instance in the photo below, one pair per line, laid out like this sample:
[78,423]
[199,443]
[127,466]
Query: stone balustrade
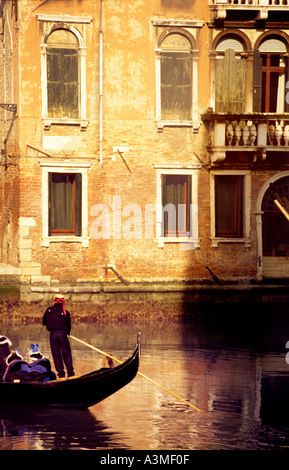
[253,3]
[249,134]
[220,7]
[257,133]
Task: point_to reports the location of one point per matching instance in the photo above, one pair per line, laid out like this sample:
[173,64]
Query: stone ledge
[165,292]
[7,269]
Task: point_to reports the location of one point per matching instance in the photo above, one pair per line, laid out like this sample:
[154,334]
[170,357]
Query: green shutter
[176,84]
[257,83]
[62,82]
[230,83]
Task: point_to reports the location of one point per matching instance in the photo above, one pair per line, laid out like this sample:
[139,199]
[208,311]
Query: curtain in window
[176,205]
[229,206]
[64,203]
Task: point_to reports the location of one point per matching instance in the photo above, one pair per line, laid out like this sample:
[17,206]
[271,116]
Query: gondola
[76,392]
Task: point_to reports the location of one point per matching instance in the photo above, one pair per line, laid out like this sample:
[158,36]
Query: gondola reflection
[54,429]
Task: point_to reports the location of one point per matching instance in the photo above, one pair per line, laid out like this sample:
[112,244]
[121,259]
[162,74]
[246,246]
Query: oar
[139,373]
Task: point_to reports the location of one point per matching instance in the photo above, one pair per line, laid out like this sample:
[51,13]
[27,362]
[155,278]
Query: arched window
[63,64]
[230,72]
[270,76]
[175,78]
[275,225]
[62,75]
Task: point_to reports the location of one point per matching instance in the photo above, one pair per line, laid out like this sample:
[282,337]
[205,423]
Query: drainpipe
[101,84]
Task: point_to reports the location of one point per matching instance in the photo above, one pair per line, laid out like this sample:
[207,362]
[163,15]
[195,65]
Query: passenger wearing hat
[58,323]
[5,344]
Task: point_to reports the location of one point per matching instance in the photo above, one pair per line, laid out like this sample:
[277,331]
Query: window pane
[229,206]
[273,83]
[62,82]
[175,86]
[64,207]
[176,201]
[230,42]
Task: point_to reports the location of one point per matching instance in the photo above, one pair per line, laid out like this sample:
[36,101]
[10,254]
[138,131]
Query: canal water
[231,365]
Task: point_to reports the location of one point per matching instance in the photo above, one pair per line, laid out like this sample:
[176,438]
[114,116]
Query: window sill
[83,123]
[194,124]
[65,239]
[215,241]
[187,243]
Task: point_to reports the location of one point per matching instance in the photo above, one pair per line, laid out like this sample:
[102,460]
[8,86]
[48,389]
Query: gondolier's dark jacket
[54,319]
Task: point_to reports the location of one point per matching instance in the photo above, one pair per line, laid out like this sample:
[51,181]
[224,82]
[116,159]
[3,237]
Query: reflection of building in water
[139,145]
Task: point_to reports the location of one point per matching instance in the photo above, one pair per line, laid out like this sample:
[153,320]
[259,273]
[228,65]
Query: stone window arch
[63,63]
[275,225]
[176,76]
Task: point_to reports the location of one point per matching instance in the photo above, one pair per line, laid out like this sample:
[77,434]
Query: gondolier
[58,322]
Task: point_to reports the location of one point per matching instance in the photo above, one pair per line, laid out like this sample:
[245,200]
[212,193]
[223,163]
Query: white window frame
[192,242]
[247,208]
[64,167]
[67,23]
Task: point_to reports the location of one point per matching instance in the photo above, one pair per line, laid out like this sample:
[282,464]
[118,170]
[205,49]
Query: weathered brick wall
[129,121]
[9,156]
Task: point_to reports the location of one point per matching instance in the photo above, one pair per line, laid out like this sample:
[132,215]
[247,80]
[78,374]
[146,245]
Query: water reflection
[52,429]
[229,364]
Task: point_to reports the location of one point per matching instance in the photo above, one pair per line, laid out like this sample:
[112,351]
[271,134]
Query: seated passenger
[39,363]
[5,344]
[19,370]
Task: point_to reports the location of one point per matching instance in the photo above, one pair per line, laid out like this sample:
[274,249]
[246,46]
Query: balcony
[262,7]
[254,133]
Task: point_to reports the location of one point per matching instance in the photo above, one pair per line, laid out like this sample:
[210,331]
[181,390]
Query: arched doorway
[274,239]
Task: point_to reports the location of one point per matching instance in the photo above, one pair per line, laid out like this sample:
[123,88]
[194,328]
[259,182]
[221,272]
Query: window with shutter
[175,86]
[230,83]
[176,79]
[62,75]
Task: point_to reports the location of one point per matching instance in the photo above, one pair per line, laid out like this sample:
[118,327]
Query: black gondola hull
[79,392]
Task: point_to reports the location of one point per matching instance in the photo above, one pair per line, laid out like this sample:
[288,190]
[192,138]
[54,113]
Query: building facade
[144,144]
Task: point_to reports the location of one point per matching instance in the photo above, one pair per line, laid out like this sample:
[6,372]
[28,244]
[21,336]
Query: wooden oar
[139,373]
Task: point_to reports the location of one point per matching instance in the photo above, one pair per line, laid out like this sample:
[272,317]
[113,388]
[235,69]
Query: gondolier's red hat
[60,298]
